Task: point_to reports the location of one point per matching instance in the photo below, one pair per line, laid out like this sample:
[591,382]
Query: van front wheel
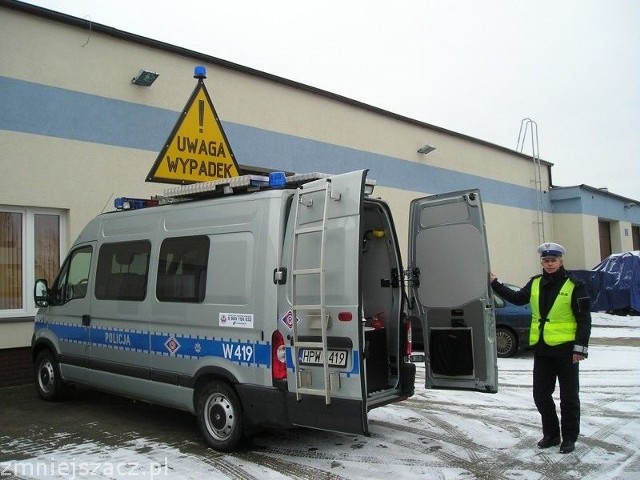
[48,379]
[219,416]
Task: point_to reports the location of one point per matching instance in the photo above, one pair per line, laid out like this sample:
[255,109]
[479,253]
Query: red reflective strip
[345,316]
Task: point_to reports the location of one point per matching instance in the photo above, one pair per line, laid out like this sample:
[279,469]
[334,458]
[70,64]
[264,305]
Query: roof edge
[600,191]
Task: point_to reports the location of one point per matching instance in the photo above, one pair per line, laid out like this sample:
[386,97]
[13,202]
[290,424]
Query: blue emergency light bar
[277,180]
[125,203]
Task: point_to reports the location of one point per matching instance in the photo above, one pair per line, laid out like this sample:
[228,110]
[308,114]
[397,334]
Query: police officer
[560,330]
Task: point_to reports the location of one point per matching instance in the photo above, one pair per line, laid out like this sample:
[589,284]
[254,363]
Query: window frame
[29,307]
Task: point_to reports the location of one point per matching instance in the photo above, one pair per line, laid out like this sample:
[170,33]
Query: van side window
[122,271]
[74,277]
[182,269]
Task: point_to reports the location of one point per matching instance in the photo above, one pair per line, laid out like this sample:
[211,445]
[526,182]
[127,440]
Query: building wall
[268,123]
[76,134]
[576,213]
[621,238]
[579,234]
[16,367]
[576,234]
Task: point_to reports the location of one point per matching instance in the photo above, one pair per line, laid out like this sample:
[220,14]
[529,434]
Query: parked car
[512,327]
[513,323]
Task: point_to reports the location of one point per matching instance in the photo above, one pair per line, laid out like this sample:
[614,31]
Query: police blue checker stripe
[188,346]
[67,332]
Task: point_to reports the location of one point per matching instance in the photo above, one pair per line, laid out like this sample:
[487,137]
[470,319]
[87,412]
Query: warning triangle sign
[197,150]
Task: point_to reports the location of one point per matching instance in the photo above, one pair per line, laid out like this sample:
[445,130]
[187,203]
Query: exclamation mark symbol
[201,114]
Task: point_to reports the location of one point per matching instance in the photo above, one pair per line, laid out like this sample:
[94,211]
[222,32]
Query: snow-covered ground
[434,435]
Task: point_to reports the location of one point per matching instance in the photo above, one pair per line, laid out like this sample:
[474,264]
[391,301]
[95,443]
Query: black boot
[567,446]
[549,441]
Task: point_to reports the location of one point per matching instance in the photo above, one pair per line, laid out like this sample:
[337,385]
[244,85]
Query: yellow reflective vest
[561,324]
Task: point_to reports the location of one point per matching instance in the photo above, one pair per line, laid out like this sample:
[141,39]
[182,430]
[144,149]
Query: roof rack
[228,186]
[241,184]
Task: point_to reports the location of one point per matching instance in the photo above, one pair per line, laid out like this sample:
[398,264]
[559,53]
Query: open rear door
[449,291]
[319,305]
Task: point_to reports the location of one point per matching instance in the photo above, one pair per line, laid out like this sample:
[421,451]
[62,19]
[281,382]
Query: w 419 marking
[238,352]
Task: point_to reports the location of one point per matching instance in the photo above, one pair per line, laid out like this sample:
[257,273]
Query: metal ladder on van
[296,274]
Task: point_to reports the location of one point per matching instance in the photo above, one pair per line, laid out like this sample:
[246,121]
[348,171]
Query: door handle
[86,320]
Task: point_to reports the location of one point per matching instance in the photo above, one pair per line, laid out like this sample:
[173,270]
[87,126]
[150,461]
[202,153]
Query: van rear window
[182,269]
[123,269]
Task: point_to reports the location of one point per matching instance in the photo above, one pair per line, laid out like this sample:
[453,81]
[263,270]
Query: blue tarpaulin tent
[614,284]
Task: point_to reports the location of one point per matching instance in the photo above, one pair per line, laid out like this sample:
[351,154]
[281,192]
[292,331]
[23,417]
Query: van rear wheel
[219,416]
[49,382]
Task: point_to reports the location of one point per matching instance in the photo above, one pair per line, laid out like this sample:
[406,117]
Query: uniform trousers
[546,369]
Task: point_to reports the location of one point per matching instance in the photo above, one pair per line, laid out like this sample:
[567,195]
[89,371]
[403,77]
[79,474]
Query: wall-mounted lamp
[426,149]
[145,78]
[629,205]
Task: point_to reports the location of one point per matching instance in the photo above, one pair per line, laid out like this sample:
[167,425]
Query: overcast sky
[474,67]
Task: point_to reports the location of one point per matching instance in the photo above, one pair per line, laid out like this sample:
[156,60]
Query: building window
[182,269]
[47,246]
[11,260]
[123,269]
[30,248]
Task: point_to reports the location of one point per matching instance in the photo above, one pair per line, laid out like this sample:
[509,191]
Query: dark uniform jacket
[550,285]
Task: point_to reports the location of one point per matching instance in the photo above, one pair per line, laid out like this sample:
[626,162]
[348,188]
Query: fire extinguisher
[378,321]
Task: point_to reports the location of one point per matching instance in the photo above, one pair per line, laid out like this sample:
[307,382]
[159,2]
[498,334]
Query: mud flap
[408,379]
[341,415]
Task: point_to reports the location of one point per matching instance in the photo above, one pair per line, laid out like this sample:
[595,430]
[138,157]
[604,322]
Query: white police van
[269,302]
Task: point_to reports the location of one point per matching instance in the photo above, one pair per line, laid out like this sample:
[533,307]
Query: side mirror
[41,293]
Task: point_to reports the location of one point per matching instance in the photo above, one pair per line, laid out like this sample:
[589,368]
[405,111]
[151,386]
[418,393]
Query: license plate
[312,356]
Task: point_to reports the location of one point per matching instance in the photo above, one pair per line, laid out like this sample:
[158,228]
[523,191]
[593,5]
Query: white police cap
[550,249]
